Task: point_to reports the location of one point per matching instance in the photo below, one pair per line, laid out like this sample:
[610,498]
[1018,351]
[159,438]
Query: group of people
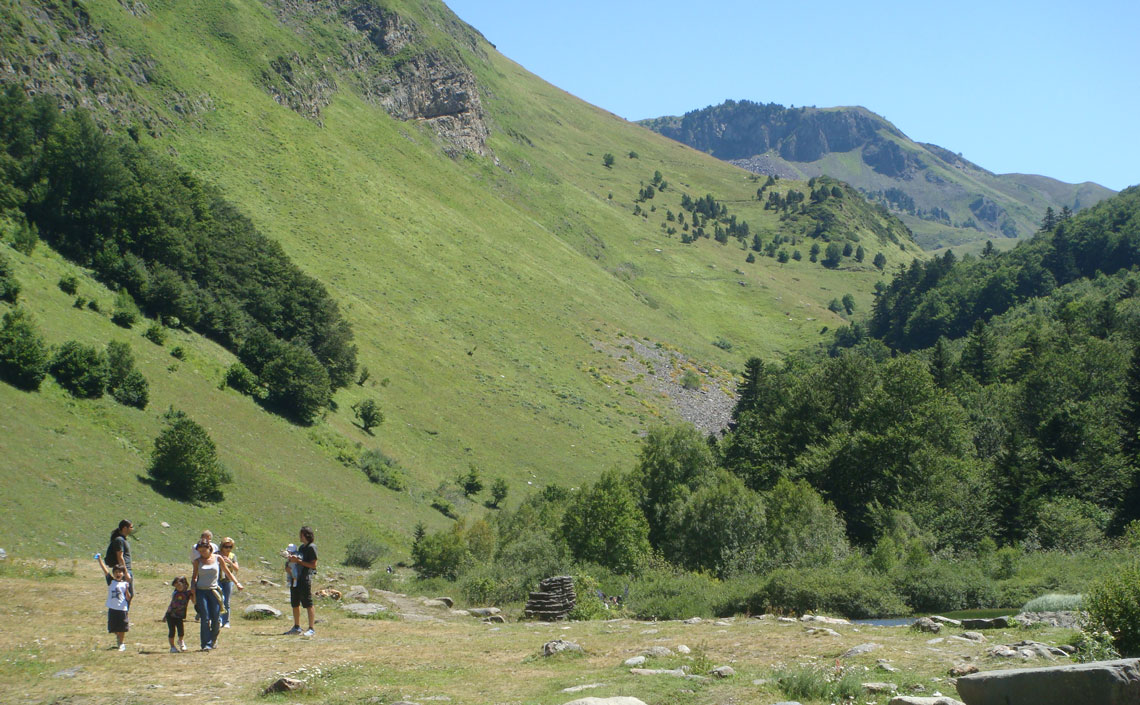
[214,570]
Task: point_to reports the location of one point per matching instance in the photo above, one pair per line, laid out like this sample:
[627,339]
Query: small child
[176,613]
[119,595]
[292,570]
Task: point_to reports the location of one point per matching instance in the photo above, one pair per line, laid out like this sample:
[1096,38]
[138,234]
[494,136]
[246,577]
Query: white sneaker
[181,646]
[122,647]
[226,625]
[308,632]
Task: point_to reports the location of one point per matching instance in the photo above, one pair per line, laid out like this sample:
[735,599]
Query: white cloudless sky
[1042,87]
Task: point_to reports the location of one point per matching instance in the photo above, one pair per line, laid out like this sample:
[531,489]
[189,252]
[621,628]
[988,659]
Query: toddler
[118,601]
[292,570]
[176,613]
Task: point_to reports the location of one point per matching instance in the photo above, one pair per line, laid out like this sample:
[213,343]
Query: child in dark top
[118,602]
[176,613]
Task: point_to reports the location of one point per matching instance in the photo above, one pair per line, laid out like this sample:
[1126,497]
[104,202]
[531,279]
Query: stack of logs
[554,599]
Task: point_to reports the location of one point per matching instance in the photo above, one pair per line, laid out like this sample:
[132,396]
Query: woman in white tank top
[206,593]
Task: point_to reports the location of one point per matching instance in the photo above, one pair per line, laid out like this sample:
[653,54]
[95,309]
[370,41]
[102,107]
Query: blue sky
[1044,87]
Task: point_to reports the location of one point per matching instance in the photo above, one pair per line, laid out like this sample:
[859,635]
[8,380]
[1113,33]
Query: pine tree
[979,358]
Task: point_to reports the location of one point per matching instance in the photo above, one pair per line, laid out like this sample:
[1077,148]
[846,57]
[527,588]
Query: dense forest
[875,477]
[175,246]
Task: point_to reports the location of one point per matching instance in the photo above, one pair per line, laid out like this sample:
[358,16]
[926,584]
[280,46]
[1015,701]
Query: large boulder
[990,623]
[1100,682]
[262,611]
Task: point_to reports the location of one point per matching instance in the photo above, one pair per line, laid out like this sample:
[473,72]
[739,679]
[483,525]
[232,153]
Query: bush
[942,586]
[1070,524]
[444,507]
[9,287]
[69,284]
[185,461]
[178,352]
[134,390]
[156,333]
[125,311]
[239,378]
[1054,603]
[661,593]
[439,555]
[832,590]
[80,369]
[807,682]
[382,469]
[25,237]
[23,353]
[368,414]
[690,380]
[1113,605]
[588,606]
[362,552]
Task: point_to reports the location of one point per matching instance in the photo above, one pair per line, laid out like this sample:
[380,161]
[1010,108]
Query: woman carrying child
[176,613]
[118,601]
[226,555]
[207,594]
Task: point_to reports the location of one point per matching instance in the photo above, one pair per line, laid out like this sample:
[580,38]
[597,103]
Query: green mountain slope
[945,199]
[494,271]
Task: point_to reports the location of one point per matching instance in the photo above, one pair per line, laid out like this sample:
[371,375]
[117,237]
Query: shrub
[832,590]
[1113,605]
[1054,603]
[23,353]
[362,552]
[723,344]
[819,683]
[178,352]
[156,333]
[499,489]
[444,507]
[9,287]
[125,311]
[439,555]
[134,390]
[185,461]
[942,586]
[80,369]
[69,284]
[25,237]
[690,380]
[382,469]
[239,378]
[661,593]
[588,606]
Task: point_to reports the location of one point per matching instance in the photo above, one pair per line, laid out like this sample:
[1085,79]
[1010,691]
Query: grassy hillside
[855,145]
[477,286]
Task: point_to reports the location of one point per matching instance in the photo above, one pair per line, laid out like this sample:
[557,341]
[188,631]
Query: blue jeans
[209,607]
[227,587]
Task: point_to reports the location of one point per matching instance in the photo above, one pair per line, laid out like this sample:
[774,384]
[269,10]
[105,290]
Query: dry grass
[54,621]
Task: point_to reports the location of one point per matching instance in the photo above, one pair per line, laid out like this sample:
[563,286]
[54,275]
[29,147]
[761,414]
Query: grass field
[55,624]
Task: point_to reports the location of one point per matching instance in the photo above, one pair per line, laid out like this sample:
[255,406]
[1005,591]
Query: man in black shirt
[301,594]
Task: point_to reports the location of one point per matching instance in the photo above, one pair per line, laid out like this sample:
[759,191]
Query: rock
[682,649]
[946,620]
[356,593]
[495,619]
[483,611]
[447,601]
[657,652]
[926,624]
[1100,682]
[823,620]
[635,661]
[460,613]
[991,623]
[1065,620]
[363,609]
[963,669]
[262,611]
[558,646]
[915,700]
[164,525]
[787,620]
[68,672]
[723,672]
[883,665]
[860,649]
[579,688]
[434,603]
[1001,651]
[554,599]
[657,672]
[621,699]
[270,583]
[974,636]
[723,623]
[875,687]
[825,631]
[693,620]
[650,631]
[789,702]
[284,685]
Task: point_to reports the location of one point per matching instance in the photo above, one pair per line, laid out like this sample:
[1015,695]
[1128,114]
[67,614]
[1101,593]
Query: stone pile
[553,600]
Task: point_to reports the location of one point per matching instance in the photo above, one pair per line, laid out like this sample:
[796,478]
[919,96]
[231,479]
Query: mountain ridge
[944,198]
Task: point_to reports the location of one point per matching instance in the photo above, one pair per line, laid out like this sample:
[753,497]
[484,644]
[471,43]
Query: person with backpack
[301,590]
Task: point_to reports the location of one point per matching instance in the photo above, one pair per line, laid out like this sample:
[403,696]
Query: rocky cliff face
[389,61]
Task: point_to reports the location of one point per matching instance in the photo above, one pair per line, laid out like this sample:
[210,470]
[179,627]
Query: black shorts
[117,621]
[174,624]
[301,594]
